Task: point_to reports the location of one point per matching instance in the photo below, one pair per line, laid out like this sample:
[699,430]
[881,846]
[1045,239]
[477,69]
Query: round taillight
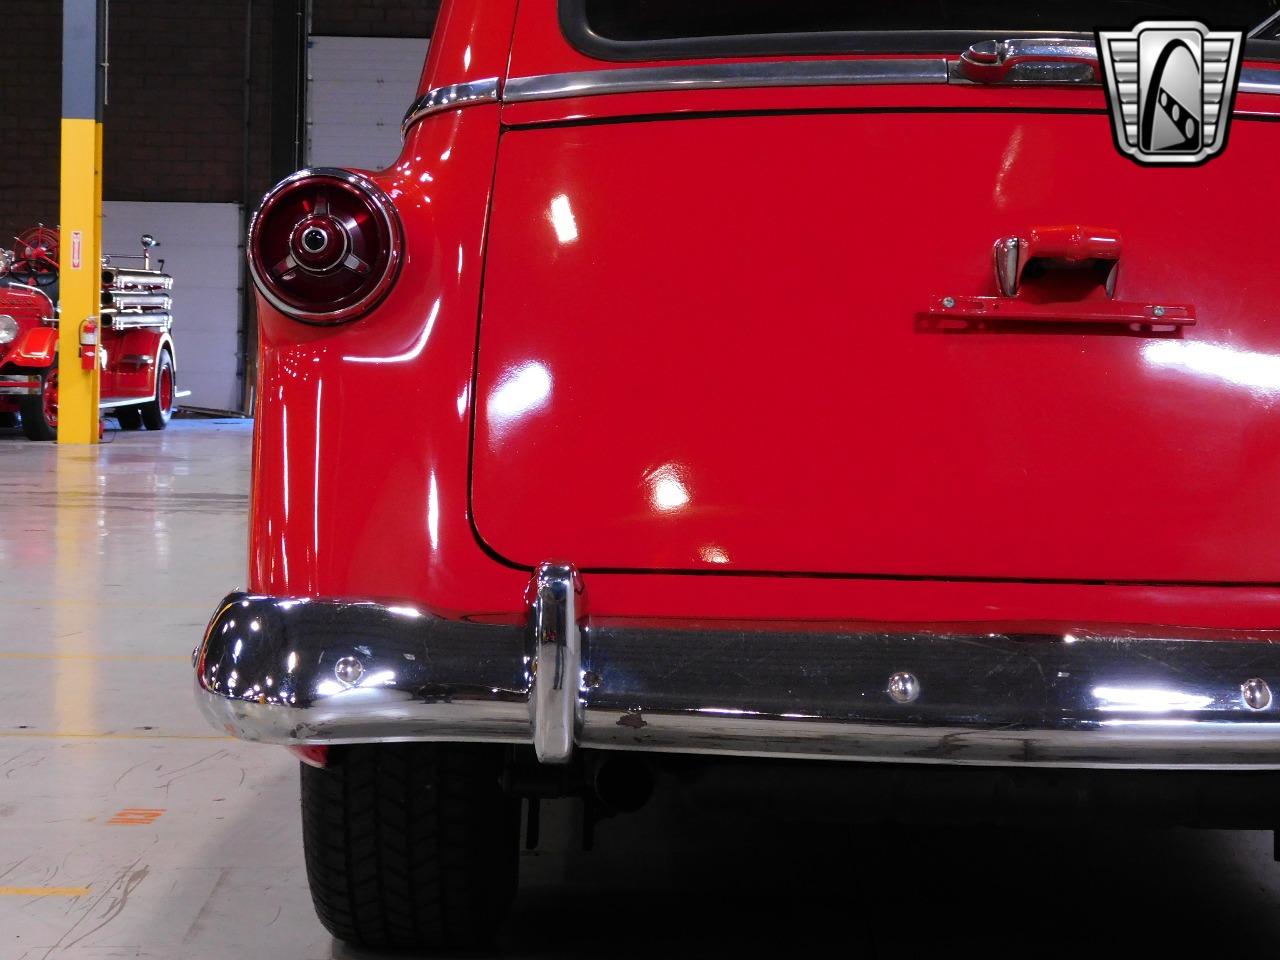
[325,245]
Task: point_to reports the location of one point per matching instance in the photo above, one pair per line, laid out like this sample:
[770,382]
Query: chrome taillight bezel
[383,210]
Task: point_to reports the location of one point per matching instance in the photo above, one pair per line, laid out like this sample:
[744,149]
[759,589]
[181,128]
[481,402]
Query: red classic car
[774,385]
[129,340]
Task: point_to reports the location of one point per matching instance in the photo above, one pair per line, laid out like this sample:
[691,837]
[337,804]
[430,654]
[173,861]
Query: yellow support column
[80,240]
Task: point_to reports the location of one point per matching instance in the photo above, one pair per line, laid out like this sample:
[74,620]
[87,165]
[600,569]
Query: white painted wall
[358,90]
[201,247]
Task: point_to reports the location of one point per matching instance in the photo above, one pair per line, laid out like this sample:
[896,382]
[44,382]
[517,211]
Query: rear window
[661,29]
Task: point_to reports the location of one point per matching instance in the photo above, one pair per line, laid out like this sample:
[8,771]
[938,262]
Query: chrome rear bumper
[293,671]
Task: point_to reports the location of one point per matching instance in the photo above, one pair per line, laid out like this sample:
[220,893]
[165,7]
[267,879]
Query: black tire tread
[411,845]
[153,417]
[34,425]
[129,418]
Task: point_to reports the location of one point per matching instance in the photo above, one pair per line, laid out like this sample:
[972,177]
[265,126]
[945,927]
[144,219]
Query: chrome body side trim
[126,402]
[450,98]
[1259,80]
[785,73]
[296,671]
[713,76]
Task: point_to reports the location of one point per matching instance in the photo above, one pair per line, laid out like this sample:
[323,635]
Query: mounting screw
[1256,694]
[1158,311]
[950,302]
[903,687]
[349,670]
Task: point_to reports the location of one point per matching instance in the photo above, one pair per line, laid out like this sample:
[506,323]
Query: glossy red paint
[36,347]
[713,334]
[323,522]
[775,407]
[472,41]
[133,356]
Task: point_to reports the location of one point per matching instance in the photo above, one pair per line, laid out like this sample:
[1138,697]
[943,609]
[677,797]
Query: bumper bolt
[1158,311]
[948,302]
[349,670]
[1256,694]
[903,687]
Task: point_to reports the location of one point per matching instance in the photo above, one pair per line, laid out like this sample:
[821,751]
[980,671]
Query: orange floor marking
[135,817]
[43,891]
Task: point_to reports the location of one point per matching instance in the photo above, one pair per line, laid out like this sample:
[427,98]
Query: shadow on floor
[664,884]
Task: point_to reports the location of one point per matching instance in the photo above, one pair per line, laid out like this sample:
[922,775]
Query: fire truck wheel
[40,414]
[156,414]
[130,418]
[411,845]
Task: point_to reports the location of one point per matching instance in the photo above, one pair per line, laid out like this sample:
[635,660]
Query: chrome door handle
[1040,60]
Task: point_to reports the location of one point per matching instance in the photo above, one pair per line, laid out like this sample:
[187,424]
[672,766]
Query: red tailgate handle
[1071,246]
[1053,274]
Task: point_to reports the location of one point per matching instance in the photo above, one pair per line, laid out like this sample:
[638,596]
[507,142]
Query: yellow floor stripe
[109,604]
[43,891]
[149,657]
[58,735]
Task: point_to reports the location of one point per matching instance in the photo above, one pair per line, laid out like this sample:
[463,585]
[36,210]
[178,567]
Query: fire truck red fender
[166,343]
[35,348]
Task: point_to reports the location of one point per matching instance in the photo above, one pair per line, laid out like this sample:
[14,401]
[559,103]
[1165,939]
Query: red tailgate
[701,347]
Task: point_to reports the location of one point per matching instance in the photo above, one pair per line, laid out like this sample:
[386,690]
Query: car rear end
[762,386]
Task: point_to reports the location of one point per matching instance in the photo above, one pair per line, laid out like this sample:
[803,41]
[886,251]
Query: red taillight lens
[325,245]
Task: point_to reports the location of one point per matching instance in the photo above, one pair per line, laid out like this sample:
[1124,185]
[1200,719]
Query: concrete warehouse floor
[131,829]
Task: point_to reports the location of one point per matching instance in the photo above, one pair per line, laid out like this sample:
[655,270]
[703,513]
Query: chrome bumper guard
[298,672]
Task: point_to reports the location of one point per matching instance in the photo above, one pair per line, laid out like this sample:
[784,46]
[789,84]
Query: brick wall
[373,18]
[30,101]
[175,109]
[175,113]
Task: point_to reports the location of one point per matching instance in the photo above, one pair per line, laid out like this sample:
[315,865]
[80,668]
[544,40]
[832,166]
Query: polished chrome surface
[1007,265]
[279,671]
[1259,80]
[273,669]
[127,278]
[556,616]
[903,687]
[711,76]
[136,321]
[1051,61]
[450,98]
[1038,60]
[349,670]
[1256,693]
[131,300]
[8,328]
[124,402]
[794,73]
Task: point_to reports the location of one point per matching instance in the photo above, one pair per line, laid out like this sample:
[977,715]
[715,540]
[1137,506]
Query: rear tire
[130,418]
[411,845]
[156,414]
[40,414]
